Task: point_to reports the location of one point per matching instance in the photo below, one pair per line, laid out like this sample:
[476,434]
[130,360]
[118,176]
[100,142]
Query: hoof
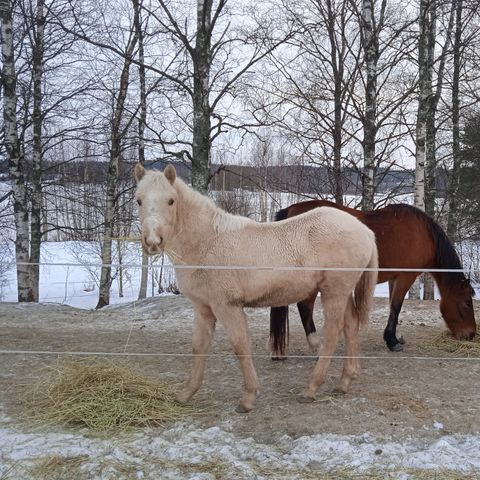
[305,399]
[338,391]
[398,347]
[242,408]
[182,398]
[314,341]
[278,358]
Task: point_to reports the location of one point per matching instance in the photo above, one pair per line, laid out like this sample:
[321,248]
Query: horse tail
[279,331]
[279,327]
[366,286]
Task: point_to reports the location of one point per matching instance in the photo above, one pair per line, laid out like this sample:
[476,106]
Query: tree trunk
[120,268]
[338,71]
[454,179]
[431,109]
[430,139]
[14,155]
[371,53]
[201,149]
[112,180]
[421,127]
[431,128]
[423,99]
[36,200]
[142,293]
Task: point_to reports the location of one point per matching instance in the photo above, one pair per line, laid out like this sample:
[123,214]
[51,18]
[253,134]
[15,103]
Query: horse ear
[170,173]
[139,172]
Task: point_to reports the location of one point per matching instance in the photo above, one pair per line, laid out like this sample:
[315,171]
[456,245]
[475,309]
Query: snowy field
[69,275]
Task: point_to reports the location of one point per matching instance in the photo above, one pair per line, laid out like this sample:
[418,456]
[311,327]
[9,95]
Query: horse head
[457,310]
[157,206]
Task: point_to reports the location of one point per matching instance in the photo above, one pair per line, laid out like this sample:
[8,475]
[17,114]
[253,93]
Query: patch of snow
[187,445]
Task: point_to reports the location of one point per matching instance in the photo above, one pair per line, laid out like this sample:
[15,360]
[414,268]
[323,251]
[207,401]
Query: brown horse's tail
[279,331]
[366,286]
[279,327]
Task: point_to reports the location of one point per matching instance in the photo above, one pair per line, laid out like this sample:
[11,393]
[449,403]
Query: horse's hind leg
[398,289]
[351,365]
[334,311]
[305,309]
[235,323]
[203,330]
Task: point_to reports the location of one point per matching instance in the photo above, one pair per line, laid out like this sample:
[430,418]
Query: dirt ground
[420,392]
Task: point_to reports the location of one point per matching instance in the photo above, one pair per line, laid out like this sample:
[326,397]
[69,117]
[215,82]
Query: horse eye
[171,201]
[139,202]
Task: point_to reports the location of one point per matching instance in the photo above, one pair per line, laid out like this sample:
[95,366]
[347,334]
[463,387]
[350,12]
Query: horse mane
[281,214]
[446,256]
[222,221]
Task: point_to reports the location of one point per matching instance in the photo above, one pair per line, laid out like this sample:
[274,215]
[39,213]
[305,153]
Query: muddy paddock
[411,392]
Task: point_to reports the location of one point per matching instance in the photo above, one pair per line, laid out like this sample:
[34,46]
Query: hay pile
[447,343]
[102,396]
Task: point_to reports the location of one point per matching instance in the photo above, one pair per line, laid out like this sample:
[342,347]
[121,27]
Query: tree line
[361,89]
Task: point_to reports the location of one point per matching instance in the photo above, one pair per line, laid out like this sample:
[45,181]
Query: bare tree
[142,120]
[15,158]
[370,40]
[37,154]
[424,93]
[214,74]
[118,131]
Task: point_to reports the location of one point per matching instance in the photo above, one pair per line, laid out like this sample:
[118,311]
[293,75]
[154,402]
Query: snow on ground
[70,271]
[184,446]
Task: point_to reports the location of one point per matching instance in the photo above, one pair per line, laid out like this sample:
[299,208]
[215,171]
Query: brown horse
[406,238]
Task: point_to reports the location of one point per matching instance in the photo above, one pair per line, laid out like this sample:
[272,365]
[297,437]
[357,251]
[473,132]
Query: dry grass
[55,467]
[102,396]
[447,343]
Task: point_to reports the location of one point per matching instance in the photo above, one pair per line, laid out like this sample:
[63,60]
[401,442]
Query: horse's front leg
[203,330]
[334,311]
[398,289]
[235,323]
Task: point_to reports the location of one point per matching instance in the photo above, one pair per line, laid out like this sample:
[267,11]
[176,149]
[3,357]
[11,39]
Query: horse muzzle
[465,336]
[153,245]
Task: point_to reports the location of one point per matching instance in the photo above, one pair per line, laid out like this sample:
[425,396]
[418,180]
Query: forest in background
[365,98]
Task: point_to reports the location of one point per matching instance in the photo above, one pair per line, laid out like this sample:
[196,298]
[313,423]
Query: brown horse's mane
[446,256]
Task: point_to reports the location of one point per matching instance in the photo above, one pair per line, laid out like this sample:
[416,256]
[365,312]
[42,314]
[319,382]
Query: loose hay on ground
[102,396]
[447,343]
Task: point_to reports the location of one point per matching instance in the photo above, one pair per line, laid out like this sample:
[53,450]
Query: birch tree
[370,40]
[15,157]
[424,92]
[216,43]
[37,154]
[142,120]
[118,131]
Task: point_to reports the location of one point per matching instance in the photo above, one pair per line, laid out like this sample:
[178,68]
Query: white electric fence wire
[228,355]
[285,268]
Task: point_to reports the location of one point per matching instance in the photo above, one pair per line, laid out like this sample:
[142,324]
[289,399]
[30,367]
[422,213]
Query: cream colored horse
[193,231]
